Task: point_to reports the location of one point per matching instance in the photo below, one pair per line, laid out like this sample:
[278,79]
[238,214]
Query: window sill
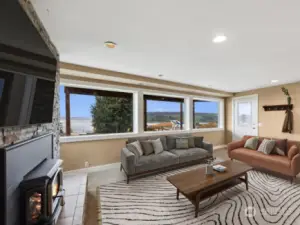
[96,137]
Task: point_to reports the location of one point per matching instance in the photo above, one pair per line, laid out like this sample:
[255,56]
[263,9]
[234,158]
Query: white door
[245,116]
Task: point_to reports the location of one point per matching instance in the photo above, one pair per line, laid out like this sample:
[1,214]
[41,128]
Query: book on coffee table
[219,168]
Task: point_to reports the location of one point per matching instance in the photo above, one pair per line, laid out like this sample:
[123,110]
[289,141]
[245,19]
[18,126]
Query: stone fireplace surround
[18,134]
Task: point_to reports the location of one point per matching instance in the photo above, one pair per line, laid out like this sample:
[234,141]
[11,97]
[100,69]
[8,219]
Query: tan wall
[108,151]
[271,121]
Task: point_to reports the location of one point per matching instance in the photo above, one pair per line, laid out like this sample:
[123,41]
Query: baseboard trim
[113,165]
[220,147]
[95,168]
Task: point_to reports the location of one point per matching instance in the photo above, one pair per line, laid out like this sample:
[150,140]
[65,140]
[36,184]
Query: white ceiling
[174,38]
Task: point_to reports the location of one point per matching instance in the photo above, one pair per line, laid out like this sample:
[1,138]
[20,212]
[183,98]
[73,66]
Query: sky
[81,105]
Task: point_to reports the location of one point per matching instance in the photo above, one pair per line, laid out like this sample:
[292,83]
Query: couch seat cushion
[190,154]
[156,161]
[257,159]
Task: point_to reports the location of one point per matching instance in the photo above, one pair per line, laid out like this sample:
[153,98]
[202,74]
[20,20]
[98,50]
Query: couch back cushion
[162,138]
[283,144]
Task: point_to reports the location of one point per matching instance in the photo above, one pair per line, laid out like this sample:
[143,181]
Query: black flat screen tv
[25,99]
[28,67]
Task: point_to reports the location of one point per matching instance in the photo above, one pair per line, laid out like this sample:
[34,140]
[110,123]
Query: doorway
[244,116]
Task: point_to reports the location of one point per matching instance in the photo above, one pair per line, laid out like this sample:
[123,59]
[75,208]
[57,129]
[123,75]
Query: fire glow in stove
[42,193]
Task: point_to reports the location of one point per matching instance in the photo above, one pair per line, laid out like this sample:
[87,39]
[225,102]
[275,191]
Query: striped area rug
[152,200]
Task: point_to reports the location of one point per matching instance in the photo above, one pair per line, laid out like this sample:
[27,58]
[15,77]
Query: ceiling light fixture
[110,44]
[219,38]
[160,75]
[274,81]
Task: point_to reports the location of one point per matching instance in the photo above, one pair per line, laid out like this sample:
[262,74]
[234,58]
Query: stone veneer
[17,134]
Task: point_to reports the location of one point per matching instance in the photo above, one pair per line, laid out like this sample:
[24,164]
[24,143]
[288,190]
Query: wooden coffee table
[196,186]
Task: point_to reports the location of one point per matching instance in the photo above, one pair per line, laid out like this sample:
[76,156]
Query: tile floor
[75,198]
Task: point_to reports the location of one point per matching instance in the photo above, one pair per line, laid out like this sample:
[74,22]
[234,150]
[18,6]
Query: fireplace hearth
[42,193]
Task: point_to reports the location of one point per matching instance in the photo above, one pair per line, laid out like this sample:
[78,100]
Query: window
[88,111]
[206,114]
[163,113]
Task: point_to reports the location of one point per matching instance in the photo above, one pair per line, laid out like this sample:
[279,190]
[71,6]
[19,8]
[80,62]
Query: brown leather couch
[288,165]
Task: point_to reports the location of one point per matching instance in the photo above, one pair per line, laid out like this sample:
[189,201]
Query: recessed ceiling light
[110,44]
[274,81]
[219,38]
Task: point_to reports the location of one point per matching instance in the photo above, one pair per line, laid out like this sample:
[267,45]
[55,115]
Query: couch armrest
[294,150]
[234,145]
[295,164]
[128,160]
[208,146]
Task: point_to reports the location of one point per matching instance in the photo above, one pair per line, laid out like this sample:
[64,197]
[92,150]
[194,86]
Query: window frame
[68,90]
[163,99]
[138,112]
[220,113]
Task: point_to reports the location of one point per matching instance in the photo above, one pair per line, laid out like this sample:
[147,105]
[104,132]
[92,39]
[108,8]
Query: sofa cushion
[182,143]
[162,138]
[152,162]
[171,140]
[251,143]
[257,159]
[147,147]
[267,146]
[157,146]
[198,142]
[186,155]
[135,148]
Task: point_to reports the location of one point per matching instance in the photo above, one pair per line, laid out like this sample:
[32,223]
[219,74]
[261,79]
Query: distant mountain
[166,116]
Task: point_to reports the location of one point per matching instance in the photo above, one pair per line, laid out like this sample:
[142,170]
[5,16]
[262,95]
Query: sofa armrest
[294,150]
[128,160]
[234,145]
[295,164]
[208,146]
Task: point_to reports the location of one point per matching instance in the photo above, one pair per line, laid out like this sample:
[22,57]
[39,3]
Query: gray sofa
[170,158]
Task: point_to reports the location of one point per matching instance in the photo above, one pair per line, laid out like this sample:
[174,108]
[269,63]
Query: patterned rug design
[152,200]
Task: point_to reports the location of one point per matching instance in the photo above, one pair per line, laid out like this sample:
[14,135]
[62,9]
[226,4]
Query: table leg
[177,194]
[246,181]
[197,202]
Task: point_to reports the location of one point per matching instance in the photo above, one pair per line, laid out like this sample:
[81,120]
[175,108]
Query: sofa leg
[121,167]
[127,179]
[293,179]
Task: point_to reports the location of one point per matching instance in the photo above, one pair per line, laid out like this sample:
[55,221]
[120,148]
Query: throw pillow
[171,142]
[182,143]
[147,147]
[164,142]
[157,146]
[198,142]
[266,146]
[132,147]
[278,151]
[280,147]
[191,142]
[251,143]
[138,148]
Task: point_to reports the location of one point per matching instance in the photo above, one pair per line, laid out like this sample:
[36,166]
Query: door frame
[233,111]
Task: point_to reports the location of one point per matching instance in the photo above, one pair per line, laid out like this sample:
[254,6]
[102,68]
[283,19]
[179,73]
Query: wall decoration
[288,121]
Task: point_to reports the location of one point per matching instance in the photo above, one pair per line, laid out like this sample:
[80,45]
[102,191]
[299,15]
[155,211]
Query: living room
[149,100]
